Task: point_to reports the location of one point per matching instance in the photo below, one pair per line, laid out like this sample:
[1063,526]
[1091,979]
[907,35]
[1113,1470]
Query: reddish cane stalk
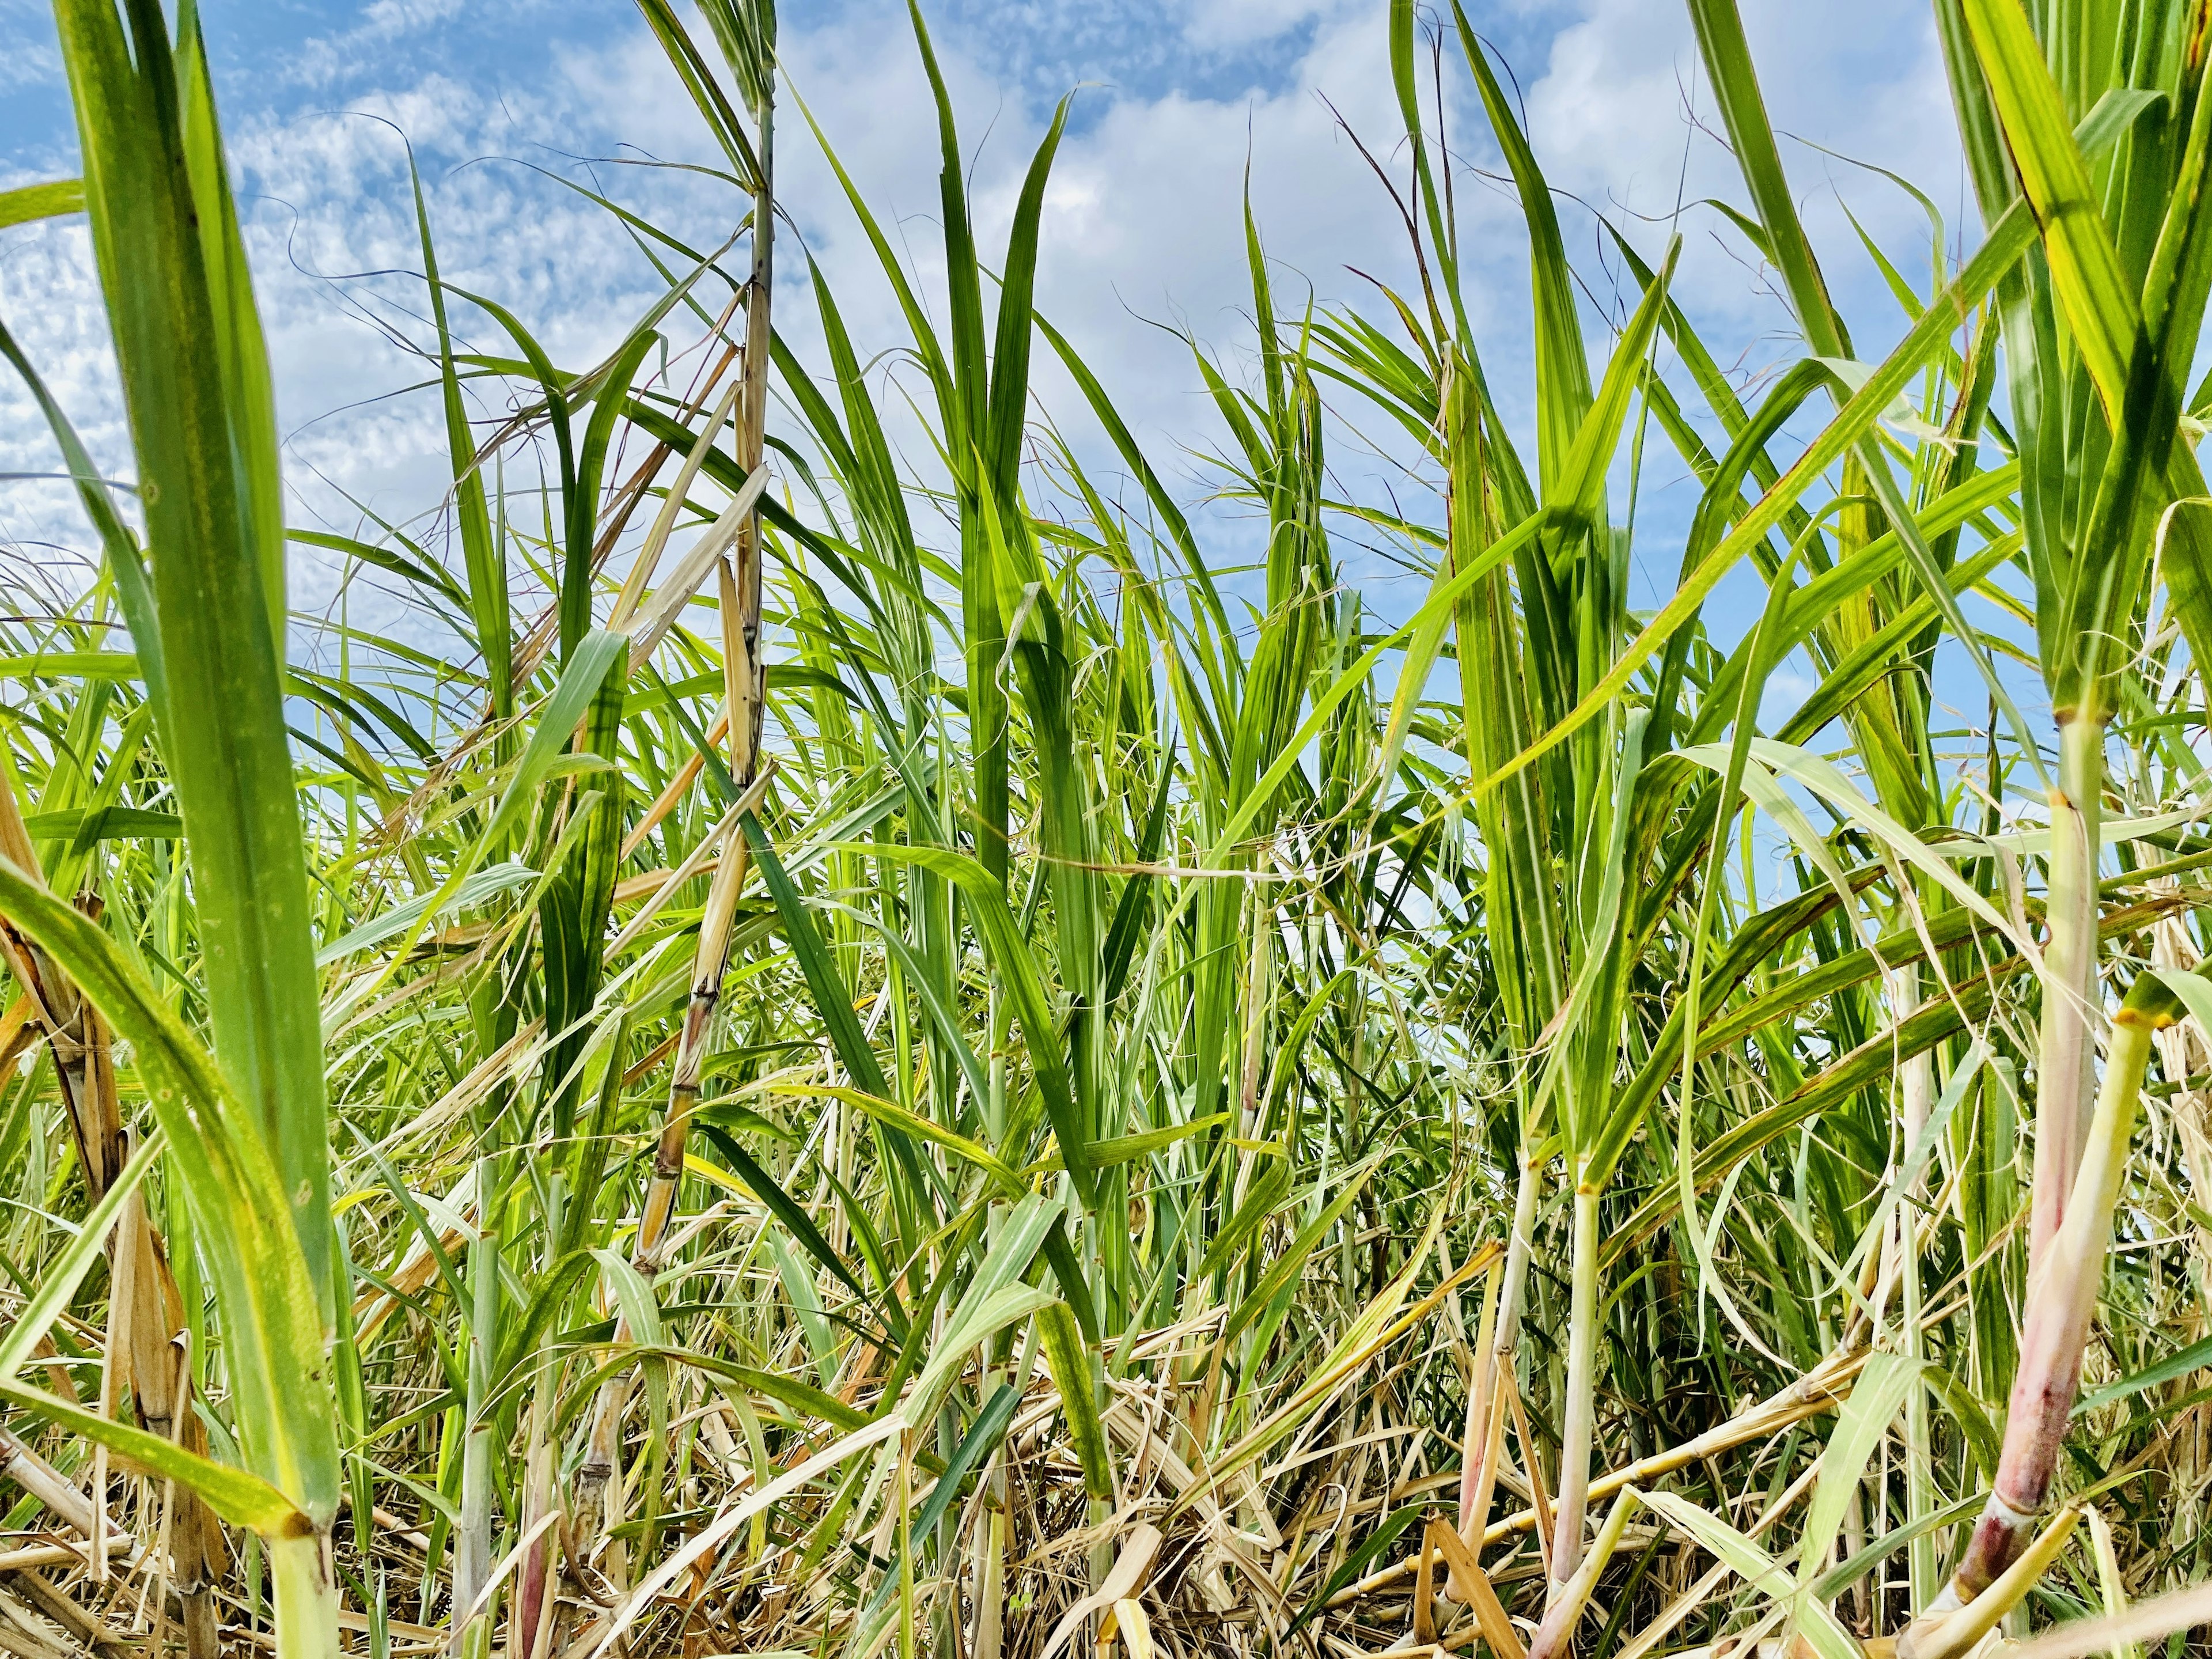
[2062,1300]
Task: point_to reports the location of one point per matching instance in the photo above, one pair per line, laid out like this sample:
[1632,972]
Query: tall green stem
[2066,1046]
[1919,1087]
[1582,1360]
[473,1538]
[305,1595]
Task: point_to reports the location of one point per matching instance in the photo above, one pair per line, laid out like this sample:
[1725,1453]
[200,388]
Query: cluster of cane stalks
[848,1030]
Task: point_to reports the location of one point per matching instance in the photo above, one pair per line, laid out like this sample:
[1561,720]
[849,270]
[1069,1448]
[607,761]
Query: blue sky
[506,102]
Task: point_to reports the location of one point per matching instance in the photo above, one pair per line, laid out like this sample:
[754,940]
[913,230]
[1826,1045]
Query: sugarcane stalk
[472,1555]
[305,1592]
[2062,1300]
[530,1612]
[1916,1086]
[2066,1044]
[742,647]
[1486,1400]
[2077,1171]
[1481,1395]
[596,1470]
[746,677]
[1571,1596]
[1582,1384]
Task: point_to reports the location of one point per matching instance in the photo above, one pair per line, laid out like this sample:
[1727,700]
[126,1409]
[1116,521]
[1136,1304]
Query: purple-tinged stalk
[2061,1301]
[1486,1404]
[1962,1633]
[529,1619]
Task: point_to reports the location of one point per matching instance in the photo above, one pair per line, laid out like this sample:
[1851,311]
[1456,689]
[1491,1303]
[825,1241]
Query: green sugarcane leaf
[1127,1149]
[973,1326]
[942,1015]
[578,570]
[806,1300]
[242,1498]
[558,717]
[196,386]
[2085,267]
[1008,408]
[1020,1236]
[983,1435]
[120,666]
[520,1339]
[706,94]
[479,888]
[1577,502]
[26,202]
[1836,1580]
[893,1116]
[1874,1059]
[2185,1363]
[633,1294]
[1284,1268]
[994,1299]
[921,1328]
[1877,1395]
[1025,987]
[1355,1565]
[1817,1625]
[1563,382]
[1728,70]
[487,594]
[832,998]
[2008,238]
[1070,1363]
[242,354]
[1984,1447]
[272,1306]
[1067,1269]
[786,1209]
[803,1398]
[1822,779]
[1258,1208]
[83,826]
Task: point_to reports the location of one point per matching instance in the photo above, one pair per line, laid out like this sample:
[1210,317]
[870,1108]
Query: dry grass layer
[838,1037]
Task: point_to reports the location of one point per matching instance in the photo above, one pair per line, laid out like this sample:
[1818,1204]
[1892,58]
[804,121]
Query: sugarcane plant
[245,1125]
[2100,321]
[907,1039]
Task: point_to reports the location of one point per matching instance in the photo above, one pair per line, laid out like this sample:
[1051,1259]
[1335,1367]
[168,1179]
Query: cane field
[870,1036]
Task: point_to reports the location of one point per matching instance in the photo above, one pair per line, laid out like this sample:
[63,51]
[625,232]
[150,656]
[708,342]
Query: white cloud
[29,54]
[1143,222]
[1233,23]
[1621,117]
[1143,230]
[323,60]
